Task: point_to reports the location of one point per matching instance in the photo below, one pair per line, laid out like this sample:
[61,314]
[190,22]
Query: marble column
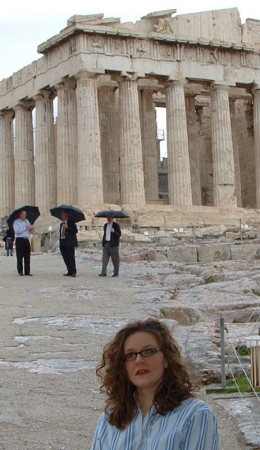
[45,157]
[24,155]
[90,182]
[109,130]
[235,132]
[179,177]
[222,148]
[131,160]
[66,144]
[6,163]
[256,106]
[149,142]
[194,152]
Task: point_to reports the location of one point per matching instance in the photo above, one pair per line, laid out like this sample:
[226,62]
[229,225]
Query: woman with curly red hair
[150,399]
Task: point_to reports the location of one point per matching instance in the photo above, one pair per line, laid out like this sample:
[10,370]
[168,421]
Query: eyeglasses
[145,353]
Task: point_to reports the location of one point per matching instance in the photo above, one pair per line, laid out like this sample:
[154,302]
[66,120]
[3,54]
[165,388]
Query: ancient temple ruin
[108,78]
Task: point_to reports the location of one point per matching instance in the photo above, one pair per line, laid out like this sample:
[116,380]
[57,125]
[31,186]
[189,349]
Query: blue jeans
[9,246]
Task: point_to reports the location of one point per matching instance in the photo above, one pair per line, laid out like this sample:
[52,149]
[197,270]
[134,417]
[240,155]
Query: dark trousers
[68,255]
[23,254]
[112,252]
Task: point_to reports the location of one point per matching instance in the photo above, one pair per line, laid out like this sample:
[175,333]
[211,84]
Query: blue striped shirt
[190,426]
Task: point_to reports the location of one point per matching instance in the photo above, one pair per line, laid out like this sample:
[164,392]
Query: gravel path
[52,330]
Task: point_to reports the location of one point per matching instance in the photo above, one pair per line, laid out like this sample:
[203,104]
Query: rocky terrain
[52,331]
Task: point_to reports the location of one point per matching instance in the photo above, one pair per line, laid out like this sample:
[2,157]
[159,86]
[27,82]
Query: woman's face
[144,372]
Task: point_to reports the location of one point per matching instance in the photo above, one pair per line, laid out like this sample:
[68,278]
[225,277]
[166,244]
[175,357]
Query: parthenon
[108,78]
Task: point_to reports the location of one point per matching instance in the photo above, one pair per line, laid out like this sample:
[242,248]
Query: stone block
[151,220]
[90,235]
[141,238]
[185,254]
[165,240]
[214,230]
[219,252]
[184,316]
[251,234]
[36,244]
[182,281]
[257,255]
[232,235]
[243,251]
[130,237]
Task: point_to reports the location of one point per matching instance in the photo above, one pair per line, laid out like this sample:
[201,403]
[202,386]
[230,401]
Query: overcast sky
[25,24]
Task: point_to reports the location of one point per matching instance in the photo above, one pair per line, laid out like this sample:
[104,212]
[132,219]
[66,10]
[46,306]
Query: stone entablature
[108,77]
[228,51]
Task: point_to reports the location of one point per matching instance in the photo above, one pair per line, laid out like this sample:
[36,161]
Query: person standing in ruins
[22,229]
[110,243]
[68,242]
[9,241]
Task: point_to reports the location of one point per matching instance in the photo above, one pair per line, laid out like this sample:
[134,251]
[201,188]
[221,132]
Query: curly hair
[176,385]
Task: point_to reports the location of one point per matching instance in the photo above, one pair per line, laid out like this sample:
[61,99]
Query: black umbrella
[32,214]
[112,213]
[74,213]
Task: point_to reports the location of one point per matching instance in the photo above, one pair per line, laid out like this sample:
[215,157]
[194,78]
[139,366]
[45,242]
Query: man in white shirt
[110,243]
[22,229]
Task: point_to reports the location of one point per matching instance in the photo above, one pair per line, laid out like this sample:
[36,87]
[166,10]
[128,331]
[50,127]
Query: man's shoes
[28,274]
[73,275]
[115,275]
[66,274]
[21,274]
[102,275]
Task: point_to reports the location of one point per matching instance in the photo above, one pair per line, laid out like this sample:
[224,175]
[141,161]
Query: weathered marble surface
[53,330]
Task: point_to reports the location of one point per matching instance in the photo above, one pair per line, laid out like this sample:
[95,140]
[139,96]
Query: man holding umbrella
[68,234]
[68,242]
[22,228]
[110,243]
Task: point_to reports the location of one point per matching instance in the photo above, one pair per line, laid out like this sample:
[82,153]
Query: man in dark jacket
[68,242]
[110,242]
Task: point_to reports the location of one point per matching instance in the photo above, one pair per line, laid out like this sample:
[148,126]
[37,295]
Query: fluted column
[222,148]
[6,163]
[149,142]
[109,131]
[66,144]
[257,142]
[179,178]
[45,155]
[235,132]
[24,157]
[194,153]
[90,183]
[131,162]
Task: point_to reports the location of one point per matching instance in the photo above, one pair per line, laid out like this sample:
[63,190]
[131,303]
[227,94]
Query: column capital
[190,94]
[106,82]
[84,74]
[150,84]
[182,82]
[44,93]
[221,85]
[66,83]
[7,113]
[24,104]
[128,76]
[131,76]
[256,89]
[107,87]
